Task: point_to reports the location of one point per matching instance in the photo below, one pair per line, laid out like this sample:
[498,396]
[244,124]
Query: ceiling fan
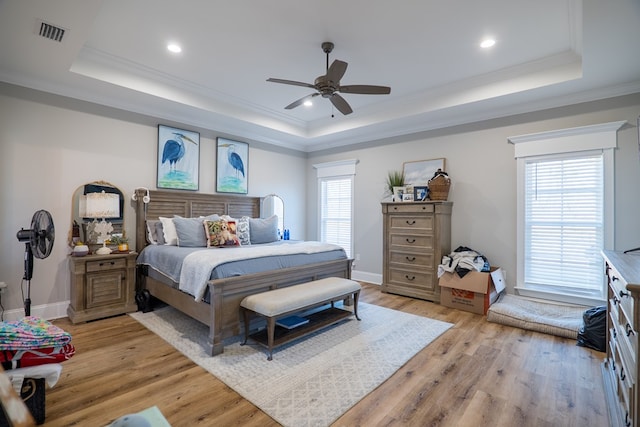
[328,85]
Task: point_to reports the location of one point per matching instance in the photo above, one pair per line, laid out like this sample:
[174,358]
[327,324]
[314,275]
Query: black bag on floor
[593,333]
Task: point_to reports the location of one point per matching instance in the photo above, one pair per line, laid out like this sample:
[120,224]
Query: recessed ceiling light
[486,43]
[174,48]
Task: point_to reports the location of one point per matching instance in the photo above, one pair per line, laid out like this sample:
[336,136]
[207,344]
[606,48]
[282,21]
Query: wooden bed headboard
[187,205]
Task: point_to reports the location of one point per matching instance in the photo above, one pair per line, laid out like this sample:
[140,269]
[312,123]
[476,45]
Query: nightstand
[102,286]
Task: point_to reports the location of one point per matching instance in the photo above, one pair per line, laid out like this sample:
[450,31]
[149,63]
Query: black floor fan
[38,242]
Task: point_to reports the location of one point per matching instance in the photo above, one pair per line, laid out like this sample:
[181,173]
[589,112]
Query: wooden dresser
[621,366]
[415,237]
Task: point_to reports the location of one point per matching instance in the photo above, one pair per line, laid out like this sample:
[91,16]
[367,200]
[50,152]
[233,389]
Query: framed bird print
[232,166]
[178,158]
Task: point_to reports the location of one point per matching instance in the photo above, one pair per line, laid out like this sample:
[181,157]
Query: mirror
[105,203]
[273,205]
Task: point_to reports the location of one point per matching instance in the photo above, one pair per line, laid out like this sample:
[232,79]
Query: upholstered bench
[283,302]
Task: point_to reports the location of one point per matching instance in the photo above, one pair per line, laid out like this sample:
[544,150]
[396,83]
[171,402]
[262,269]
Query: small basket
[439,186]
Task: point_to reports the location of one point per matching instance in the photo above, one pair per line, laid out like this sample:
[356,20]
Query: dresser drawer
[411,241]
[619,288]
[411,260]
[106,264]
[414,278]
[413,224]
[410,208]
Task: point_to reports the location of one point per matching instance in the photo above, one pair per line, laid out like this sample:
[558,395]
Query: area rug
[563,320]
[312,381]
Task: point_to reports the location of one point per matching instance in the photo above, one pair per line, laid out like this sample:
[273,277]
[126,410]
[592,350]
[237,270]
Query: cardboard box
[474,292]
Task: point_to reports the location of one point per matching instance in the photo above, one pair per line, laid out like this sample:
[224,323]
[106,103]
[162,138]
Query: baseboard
[363,276]
[46,311]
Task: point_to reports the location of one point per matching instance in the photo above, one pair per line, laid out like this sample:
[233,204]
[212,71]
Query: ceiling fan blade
[300,101]
[291,82]
[336,70]
[365,89]
[341,104]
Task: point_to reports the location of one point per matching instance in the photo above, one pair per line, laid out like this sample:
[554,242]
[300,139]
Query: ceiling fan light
[487,43]
[308,103]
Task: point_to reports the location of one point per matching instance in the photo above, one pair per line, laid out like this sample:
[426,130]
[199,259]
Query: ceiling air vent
[51,32]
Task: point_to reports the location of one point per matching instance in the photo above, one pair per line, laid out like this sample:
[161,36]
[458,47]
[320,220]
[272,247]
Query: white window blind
[565,211]
[564,224]
[335,194]
[336,211]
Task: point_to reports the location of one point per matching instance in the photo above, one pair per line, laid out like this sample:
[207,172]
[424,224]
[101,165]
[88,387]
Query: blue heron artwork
[178,158]
[232,173]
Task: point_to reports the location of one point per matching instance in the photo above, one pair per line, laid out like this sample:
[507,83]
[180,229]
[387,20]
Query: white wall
[482,167]
[49,146]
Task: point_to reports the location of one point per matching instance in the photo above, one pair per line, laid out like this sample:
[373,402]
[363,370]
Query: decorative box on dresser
[102,286]
[621,366]
[415,237]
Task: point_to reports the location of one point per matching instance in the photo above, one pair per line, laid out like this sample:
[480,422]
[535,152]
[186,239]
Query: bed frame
[223,315]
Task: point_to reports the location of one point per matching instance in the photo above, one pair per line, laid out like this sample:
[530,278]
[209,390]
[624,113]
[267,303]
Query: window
[335,191]
[565,212]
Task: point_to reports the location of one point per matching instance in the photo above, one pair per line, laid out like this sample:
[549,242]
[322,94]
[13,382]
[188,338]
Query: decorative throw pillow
[221,233]
[170,233]
[160,233]
[190,231]
[243,231]
[152,232]
[263,230]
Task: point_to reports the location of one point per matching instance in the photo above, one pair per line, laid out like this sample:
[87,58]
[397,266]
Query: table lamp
[101,205]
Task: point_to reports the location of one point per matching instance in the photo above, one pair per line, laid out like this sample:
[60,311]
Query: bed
[222,313]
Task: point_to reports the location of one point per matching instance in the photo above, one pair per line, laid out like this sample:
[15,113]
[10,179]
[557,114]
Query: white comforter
[197,266]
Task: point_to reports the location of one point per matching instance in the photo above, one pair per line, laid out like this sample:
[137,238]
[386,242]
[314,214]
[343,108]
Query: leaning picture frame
[232,166]
[178,159]
[421,171]
[420,193]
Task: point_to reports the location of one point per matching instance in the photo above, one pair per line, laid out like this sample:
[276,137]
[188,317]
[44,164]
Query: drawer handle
[410,259]
[614,333]
[627,421]
[629,329]
[615,300]
[411,240]
[103,263]
[395,208]
[406,276]
[624,294]
[614,278]
[412,222]
[622,374]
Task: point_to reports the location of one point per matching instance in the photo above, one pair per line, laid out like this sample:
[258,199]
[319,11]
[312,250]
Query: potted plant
[394,179]
[120,241]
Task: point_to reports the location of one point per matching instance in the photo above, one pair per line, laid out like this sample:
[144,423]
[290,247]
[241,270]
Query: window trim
[600,138]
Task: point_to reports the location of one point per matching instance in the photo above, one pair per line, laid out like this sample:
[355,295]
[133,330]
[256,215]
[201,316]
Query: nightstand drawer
[106,264]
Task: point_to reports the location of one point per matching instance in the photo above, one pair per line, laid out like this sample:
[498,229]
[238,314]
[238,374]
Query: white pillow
[169,230]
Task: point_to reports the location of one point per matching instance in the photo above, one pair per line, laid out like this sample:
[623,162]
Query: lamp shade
[100,205]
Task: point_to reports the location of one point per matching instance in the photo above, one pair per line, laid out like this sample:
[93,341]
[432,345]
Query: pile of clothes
[31,350]
[462,261]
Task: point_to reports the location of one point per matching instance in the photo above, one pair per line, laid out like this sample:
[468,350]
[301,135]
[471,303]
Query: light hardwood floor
[476,374]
